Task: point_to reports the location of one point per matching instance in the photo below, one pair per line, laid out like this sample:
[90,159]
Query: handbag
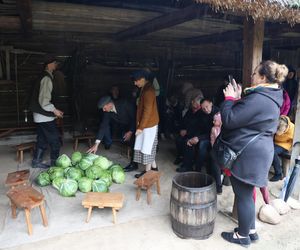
[226,156]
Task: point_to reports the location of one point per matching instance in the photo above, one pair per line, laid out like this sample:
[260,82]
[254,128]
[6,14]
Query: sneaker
[253,237]
[276,177]
[245,242]
[131,167]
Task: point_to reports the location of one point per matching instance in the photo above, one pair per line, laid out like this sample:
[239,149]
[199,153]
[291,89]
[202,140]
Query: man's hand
[127,136]
[138,131]
[93,149]
[183,132]
[192,141]
[58,113]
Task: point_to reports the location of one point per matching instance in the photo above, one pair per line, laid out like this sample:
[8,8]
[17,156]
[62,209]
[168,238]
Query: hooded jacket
[286,139]
[256,112]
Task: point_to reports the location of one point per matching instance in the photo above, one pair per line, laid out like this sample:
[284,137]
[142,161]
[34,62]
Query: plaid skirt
[144,159]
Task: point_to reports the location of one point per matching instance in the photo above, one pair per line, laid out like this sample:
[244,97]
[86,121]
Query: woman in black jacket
[257,112]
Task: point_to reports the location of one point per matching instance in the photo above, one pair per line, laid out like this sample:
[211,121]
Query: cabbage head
[99,186]
[68,188]
[93,172]
[51,169]
[102,162]
[85,163]
[85,184]
[63,161]
[43,179]
[106,176]
[74,173]
[58,172]
[90,156]
[115,166]
[118,176]
[57,182]
[76,157]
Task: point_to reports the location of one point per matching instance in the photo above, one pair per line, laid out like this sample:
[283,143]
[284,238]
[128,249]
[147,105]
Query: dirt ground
[139,225]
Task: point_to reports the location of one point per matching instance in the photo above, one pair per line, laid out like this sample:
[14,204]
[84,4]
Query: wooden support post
[7,64]
[253,45]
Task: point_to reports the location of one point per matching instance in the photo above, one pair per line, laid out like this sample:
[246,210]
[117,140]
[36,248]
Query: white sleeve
[45,94]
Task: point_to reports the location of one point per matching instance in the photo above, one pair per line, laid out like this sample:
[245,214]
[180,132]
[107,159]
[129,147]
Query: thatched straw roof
[277,10]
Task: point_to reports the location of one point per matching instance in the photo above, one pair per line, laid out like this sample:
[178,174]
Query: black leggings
[245,205]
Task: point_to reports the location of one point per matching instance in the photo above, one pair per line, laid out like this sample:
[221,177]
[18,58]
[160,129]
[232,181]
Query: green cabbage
[115,166]
[90,156]
[76,157]
[102,162]
[63,161]
[118,176]
[57,182]
[99,186]
[93,172]
[85,163]
[68,187]
[43,179]
[85,184]
[52,169]
[74,173]
[58,172]
[106,176]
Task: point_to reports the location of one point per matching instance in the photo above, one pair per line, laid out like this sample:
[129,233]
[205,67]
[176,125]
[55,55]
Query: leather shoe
[253,237]
[245,242]
[154,169]
[140,174]
[131,167]
[107,147]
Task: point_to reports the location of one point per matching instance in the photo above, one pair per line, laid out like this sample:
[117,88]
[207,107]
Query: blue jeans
[203,148]
[276,160]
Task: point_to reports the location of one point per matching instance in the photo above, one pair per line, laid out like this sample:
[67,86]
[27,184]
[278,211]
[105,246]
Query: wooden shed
[100,43]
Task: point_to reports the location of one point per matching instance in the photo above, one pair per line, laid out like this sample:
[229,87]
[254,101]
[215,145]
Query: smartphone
[232,81]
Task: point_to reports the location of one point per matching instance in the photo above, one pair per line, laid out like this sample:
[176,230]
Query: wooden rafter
[24,8]
[164,21]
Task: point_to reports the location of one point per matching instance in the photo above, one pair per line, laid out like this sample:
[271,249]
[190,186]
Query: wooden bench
[78,138]
[18,178]
[27,198]
[22,147]
[146,181]
[286,158]
[101,200]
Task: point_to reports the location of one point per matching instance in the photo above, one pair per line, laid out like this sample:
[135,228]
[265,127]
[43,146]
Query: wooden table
[27,198]
[101,200]
[18,178]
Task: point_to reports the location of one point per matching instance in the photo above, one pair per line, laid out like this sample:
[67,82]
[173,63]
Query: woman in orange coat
[147,123]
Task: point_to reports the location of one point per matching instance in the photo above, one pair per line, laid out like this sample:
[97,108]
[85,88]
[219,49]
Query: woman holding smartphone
[242,119]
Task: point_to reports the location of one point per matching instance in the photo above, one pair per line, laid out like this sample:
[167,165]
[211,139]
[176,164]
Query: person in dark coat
[257,112]
[119,112]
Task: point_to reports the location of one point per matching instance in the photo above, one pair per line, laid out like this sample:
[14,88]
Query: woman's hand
[233,92]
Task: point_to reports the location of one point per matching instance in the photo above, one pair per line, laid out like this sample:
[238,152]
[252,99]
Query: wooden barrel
[193,205]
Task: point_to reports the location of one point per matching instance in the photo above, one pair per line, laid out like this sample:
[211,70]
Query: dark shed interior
[100,43]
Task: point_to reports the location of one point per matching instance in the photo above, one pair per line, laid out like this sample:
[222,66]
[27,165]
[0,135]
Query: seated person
[208,110]
[120,112]
[188,128]
[283,141]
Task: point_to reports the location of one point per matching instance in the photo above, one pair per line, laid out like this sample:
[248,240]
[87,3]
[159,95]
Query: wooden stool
[101,200]
[18,178]
[27,198]
[78,138]
[146,181]
[22,147]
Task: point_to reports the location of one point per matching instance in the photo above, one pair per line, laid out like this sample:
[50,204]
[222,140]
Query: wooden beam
[9,23]
[253,45]
[162,22]
[24,8]
[227,36]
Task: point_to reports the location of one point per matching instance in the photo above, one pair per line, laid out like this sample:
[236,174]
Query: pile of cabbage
[84,172]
